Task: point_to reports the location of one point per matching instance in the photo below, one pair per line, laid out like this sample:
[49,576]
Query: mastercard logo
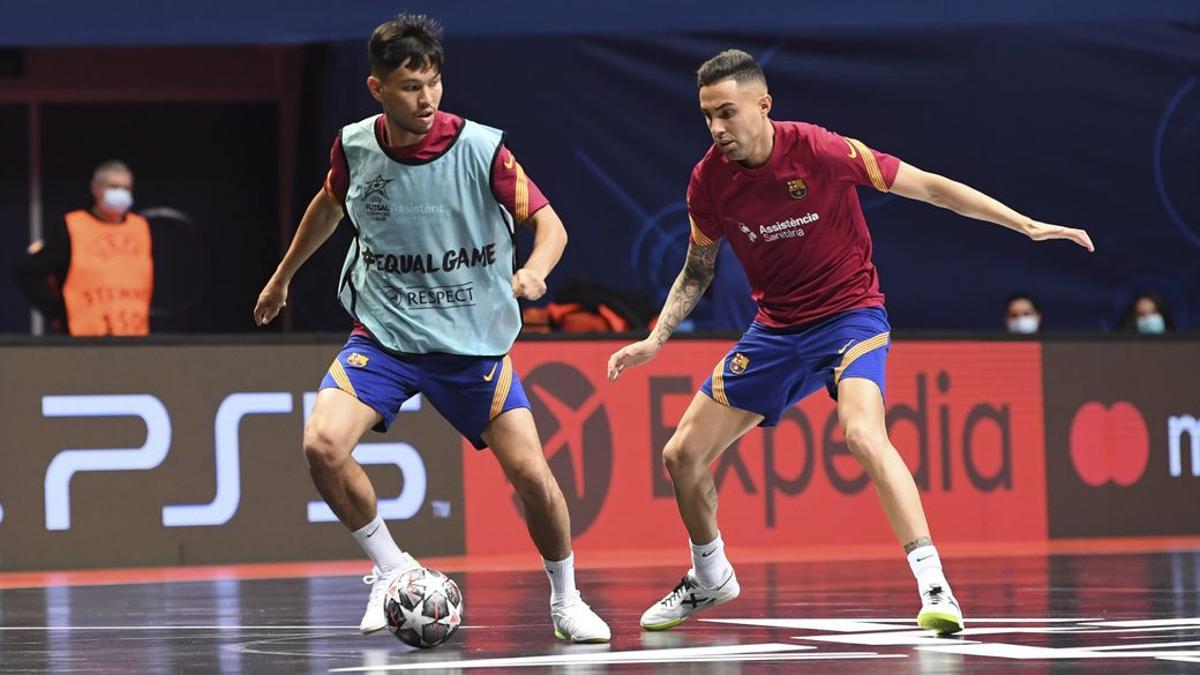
[1109,444]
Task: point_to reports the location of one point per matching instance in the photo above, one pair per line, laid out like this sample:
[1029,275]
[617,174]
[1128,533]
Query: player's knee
[867,445]
[680,458]
[321,449]
[531,479]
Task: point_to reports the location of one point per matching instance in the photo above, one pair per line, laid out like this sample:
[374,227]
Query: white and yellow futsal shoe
[940,611]
[688,598]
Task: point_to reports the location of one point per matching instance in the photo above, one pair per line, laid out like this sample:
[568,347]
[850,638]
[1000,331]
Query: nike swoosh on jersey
[845,347]
[853,150]
[489,376]
[509,162]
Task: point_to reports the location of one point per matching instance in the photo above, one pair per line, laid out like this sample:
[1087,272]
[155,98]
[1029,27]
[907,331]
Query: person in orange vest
[92,273]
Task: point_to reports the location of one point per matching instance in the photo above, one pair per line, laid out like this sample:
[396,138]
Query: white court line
[975,619]
[727,654]
[580,660]
[637,656]
[1148,645]
[148,628]
[1094,628]
[1030,653]
[783,623]
[1151,623]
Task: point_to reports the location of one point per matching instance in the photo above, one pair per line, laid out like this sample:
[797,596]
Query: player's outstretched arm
[965,200]
[689,286]
[320,220]
[549,240]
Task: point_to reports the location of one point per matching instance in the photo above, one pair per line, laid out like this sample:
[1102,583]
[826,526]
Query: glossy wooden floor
[1049,613]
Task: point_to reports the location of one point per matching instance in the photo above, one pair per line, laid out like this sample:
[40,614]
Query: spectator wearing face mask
[1021,314]
[92,273]
[1147,313]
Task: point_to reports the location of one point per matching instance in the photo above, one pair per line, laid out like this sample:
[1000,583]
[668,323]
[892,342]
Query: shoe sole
[369,631]
[675,622]
[663,626]
[563,636]
[943,623]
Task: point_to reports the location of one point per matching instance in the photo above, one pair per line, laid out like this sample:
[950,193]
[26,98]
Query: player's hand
[528,284]
[1042,231]
[272,299]
[629,356]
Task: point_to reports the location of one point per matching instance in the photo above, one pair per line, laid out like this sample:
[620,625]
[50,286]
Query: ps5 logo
[230,414]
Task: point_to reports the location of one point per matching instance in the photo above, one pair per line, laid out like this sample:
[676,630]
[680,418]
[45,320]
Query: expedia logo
[578,438]
[961,445]
[797,189]
[737,366]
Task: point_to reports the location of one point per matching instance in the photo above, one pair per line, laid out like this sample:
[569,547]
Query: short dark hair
[410,40]
[1022,296]
[733,63]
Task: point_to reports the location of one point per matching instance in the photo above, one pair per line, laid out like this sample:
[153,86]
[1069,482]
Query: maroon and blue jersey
[795,223]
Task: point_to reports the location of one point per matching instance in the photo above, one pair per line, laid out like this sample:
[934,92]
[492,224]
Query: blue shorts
[469,391]
[769,370]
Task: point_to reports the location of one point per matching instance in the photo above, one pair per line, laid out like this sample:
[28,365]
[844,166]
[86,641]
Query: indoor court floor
[1132,611]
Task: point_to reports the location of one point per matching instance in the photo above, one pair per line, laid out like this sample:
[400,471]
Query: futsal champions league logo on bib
[375,199]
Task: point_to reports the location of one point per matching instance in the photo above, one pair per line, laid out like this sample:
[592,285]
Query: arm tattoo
[917,543]
[688,288]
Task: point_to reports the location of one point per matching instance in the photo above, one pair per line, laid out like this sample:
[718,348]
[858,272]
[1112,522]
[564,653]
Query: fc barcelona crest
[737,365]
[797,189]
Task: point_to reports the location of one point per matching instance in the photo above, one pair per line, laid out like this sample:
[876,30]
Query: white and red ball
[424,607]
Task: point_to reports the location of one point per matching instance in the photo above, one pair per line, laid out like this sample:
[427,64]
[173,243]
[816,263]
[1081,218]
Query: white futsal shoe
[574,621]
[688,598]
[940,611]
[374,619]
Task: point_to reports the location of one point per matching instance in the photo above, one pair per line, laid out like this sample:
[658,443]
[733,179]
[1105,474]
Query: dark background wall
[1082,115]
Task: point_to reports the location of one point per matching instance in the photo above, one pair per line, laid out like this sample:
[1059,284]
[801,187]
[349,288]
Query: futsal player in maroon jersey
[784,195]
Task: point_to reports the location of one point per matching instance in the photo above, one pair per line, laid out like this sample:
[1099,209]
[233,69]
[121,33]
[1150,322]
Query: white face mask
[117,199]
[1151,323]
[1025,325]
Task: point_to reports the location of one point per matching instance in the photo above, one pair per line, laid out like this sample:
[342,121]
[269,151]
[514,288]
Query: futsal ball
[424,607]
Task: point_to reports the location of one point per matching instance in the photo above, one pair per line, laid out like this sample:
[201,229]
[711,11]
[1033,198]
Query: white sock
[709,562]
[375,539]
[927,568]
[562,578]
